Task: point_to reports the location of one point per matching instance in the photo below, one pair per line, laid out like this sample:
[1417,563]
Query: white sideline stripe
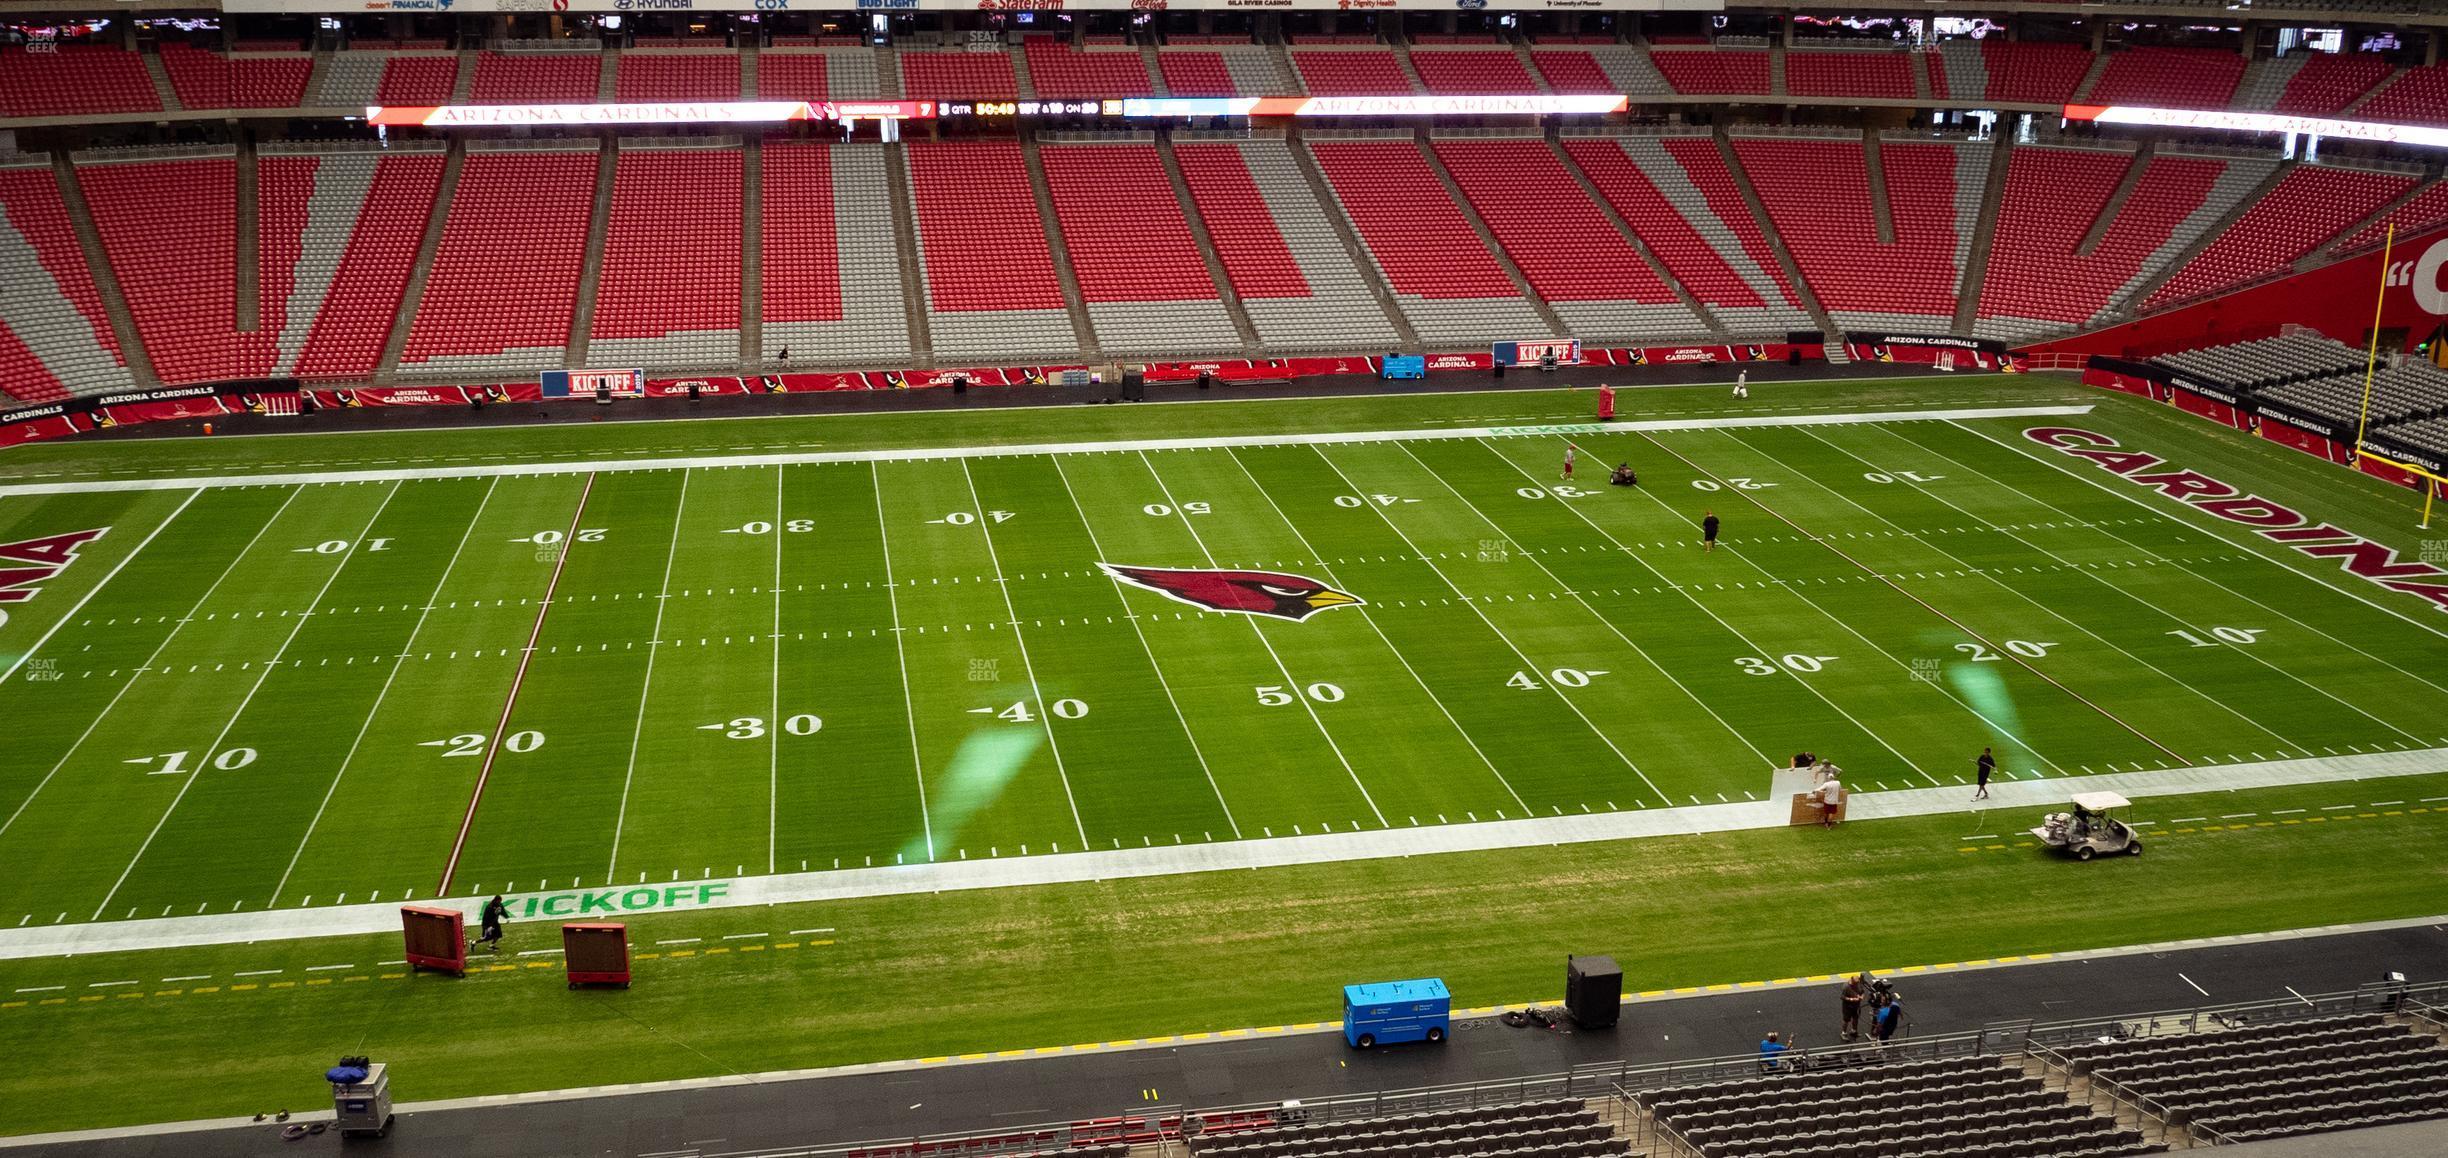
[1271,852]
[927,454]
[1172,1042]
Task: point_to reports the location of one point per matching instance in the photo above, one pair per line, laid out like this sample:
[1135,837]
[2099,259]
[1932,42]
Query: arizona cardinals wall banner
[1293,597]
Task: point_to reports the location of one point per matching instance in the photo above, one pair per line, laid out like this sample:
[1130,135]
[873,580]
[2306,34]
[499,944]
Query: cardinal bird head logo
[1293,597]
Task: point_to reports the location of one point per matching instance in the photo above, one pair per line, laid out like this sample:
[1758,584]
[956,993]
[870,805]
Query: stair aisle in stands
[1451,288]
[1066,274]
[1984,237]
[503,298]
[1217,275]
[366,220]
[837,287]
[991,289]
[2312,205]
[420,270]
[2218,214]
[1705,236]
[1140,271]
[1600,287]
[671,263]
[1298,276]
[590,275]
[50,302]
[1730,168]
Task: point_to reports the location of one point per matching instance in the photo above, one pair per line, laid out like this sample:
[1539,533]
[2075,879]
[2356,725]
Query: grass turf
[1866,570]
[944,975]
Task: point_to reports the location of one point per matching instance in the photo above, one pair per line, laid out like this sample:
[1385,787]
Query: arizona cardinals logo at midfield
[1275,593]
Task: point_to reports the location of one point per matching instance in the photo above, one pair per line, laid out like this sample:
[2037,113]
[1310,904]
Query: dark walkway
[990,397]
[991,1095]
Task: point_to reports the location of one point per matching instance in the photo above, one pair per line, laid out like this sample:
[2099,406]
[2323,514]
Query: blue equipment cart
[1395,1011]
[1405,366]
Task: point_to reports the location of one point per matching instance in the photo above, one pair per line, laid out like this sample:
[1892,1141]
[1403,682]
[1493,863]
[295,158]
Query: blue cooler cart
[1396,1011]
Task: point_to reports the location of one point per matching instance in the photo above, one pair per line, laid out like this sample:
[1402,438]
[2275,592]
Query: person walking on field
[1568,460]
[1986,765]
[1742,384]
[1708,526]
[495,911]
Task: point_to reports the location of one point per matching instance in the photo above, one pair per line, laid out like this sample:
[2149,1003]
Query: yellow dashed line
[752,948]
[284,985]
[787,945]
[168,992]
[318,981]
[676,953]
[718,949]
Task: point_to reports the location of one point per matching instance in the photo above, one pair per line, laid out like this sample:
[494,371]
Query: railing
[1615,1089]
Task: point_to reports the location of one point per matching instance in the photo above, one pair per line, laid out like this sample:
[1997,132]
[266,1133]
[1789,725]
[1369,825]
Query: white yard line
[773,717]
[96,589]
[607,466]
[384,692]
[1319,557]
[1473,604]
[138,674]
[1866,569]
[569,542]
[1239,855]
[2189,569]
[2145,604]
[271,665]
[1045,714]
[2019,593]
[1765,760]
[2169,513]
[909,711]
[1153,664]
[654,647]
[1269,645]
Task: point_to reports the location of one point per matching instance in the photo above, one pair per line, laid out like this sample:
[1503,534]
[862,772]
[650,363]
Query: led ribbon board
[648,113]
[2222,120]
[1387,106]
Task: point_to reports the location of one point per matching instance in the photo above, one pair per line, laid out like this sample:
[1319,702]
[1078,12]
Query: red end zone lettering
[49,555]
[2360,557]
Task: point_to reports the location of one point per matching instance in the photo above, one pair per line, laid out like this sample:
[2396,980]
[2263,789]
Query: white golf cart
[2090,830]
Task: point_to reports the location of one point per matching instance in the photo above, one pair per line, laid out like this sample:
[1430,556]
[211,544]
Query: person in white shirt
[1742,384]
[1831,798]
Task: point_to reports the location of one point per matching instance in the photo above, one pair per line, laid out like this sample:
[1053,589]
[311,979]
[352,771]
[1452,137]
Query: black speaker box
[960,383]
[1593,991]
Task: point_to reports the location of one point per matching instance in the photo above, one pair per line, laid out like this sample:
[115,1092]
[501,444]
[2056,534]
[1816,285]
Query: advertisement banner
[1565,351]
[685,6]
[54,420]
[585,383]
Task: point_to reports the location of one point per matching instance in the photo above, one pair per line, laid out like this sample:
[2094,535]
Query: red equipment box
[437,938]
[596,952]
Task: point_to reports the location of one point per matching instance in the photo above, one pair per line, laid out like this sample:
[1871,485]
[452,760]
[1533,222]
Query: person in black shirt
[1708,531]
[491,916]
[1987,764]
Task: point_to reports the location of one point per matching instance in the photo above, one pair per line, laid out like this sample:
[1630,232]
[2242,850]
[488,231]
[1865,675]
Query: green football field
[286,695]
[299,679]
